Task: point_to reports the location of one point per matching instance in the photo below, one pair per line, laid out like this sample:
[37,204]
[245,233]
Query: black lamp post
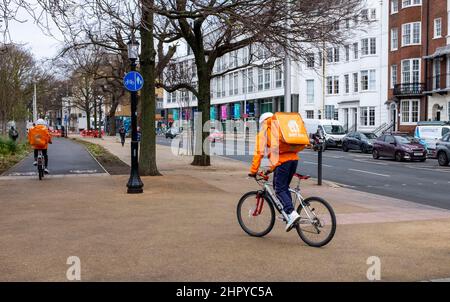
[134,183]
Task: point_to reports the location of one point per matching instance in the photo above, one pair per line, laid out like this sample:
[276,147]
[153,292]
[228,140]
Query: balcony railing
[409,89]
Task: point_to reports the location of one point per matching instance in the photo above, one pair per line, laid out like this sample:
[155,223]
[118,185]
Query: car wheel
[443,159]
[375,154]
[398,156]
[344,148]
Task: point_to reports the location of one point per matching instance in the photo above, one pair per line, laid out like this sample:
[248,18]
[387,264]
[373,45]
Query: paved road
[65,157]
[425,183]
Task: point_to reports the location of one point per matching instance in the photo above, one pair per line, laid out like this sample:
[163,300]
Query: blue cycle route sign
[133,81]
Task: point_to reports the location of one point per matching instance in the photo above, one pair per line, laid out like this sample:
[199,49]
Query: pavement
[184,228]
[422,182]
[65,158]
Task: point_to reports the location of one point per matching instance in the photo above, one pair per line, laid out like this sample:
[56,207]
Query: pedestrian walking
[122,134]
[13,134]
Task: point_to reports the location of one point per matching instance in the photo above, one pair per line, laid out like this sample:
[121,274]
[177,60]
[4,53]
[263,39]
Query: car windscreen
[368,136]
[406,139]
[333,129]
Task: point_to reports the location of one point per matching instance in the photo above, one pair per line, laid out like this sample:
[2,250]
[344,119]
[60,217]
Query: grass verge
[12,153]
[109,161]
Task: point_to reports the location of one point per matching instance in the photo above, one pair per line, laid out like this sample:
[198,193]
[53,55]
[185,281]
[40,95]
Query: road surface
[425,183]
[65,157]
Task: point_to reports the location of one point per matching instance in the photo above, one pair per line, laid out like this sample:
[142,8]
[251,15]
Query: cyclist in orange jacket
[39,138]
[283,164]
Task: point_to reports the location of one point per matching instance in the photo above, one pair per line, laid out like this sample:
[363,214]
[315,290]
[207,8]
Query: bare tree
[213,29]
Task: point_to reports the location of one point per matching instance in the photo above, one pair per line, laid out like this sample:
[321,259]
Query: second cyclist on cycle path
[283,164]
[39,138]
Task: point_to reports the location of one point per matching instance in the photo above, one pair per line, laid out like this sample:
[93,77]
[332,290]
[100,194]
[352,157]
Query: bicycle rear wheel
[255,214]
[317,224]
[41,173]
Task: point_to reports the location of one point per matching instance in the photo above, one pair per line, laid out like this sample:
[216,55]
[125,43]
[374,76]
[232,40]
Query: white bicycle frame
[298,196]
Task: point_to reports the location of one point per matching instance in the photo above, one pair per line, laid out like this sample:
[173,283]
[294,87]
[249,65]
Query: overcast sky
[32,37]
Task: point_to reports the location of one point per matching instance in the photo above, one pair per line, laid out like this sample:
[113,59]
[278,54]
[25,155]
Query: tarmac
[184,228]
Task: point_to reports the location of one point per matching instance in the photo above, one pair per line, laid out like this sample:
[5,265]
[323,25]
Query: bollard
[319,167]
[235,141]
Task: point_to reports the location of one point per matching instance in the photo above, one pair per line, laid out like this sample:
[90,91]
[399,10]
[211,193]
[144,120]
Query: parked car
[400,147]
[429,133]
[362,141]
[215,135]
[172,132]
[332,130]
[443,150]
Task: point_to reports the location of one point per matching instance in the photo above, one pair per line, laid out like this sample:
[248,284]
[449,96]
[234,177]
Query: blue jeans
[282,178]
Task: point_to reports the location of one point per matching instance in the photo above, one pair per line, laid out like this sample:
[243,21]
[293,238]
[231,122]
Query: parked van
[333,130]
[429,133]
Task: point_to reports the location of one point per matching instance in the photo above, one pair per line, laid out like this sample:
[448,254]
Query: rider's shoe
[46,171]
[293,219]
[35,163]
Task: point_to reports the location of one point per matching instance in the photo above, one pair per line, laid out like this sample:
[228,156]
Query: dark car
[443,150]
[362,141]
[400,147]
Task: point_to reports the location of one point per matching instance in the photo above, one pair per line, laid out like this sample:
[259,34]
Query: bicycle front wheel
[255,214]
[317,224]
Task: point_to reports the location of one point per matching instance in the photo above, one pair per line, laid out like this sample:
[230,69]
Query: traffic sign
[133,81]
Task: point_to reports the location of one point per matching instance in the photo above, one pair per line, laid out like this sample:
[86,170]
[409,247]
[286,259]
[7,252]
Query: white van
[430,132]
[333,130]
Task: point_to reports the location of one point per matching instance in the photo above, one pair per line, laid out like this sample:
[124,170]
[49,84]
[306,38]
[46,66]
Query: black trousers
[44,153]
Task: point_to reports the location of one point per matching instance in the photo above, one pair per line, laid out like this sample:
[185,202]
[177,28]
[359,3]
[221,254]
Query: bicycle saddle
[302,177]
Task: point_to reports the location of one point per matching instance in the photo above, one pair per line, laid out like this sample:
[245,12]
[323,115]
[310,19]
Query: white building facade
[348,84]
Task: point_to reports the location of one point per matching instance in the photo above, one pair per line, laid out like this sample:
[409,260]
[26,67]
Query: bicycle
[40,164]
[258,208]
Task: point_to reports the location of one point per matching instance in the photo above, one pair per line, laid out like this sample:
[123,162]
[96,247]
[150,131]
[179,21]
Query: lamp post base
[134,190]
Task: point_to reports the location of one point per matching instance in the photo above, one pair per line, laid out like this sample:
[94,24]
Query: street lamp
[134,182]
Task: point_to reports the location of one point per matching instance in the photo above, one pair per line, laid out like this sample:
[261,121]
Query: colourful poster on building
[175,114]
[223,112]
[237,111]
[212,112]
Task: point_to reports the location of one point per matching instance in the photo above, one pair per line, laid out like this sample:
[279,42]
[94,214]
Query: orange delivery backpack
[289,132]
[39,137]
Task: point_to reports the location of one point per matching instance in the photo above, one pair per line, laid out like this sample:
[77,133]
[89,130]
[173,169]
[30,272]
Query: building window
[355,82]
[436,74]
[393,76]
[394,6]
[410,111]
[371,116]
[223,86]
[333,55]
[373,14]
[250,80]
[336,54]
[407,3]
[394,39]
[411,71]
[310,61]
[230,84]
[347,53]
[329,112]
[310,91]
[330,55]
[329,85]
[336,114]
[336,84]
[364,14]
[368,80]
[347,83]
[411,33]
[267,78]
[368,46]
[437,28]
[363,116]
[278,77]
[355,50]
[236,83]
[260,79]
[309,114]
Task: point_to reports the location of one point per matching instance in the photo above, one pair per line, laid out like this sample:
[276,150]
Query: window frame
[435,36]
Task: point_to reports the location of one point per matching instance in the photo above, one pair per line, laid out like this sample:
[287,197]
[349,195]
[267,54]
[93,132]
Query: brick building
[418,69]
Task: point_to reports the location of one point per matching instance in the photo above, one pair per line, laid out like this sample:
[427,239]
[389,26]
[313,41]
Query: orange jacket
[39,137]
[263,142]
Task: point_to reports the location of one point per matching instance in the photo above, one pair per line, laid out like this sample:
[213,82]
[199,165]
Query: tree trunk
[112,118]
[88,118]
[147,158]
[204,101]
